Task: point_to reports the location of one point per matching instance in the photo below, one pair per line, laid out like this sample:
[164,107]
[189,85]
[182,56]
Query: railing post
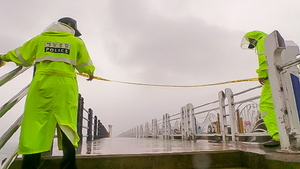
[147,129]
[184,123]
[98,128]
[284,79]
[192,121]
[134,132]
[223,122]
[80,120]
[110,130]
[168,126]
[232,116]
[164,127]
[90,125]
[154,128]
[96,135]
[141,131]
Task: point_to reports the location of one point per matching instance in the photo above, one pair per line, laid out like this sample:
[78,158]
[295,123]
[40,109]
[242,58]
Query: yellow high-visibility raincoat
[53,93]
[266,104]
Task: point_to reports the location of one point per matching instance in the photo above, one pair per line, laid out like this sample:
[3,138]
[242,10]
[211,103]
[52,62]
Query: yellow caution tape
[158,85]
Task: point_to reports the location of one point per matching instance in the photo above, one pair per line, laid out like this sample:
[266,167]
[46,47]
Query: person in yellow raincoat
[255,40]
[52,97]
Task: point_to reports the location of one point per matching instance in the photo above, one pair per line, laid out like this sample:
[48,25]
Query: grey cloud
[183,47]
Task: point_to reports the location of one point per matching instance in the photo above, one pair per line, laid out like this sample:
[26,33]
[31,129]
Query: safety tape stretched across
[159,85]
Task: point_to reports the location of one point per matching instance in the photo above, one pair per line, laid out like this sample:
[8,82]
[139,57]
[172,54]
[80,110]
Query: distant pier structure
[110,130]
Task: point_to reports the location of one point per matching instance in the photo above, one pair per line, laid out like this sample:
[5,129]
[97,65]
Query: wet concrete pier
[123,153]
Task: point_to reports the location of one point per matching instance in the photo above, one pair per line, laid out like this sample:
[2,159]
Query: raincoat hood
[257,35]
[251,38]
[59,27]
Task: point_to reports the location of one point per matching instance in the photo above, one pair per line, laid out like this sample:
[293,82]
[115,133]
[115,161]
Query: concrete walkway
[135,153]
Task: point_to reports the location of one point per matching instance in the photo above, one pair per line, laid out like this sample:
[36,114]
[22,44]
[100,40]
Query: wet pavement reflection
[122,153]
[119,145]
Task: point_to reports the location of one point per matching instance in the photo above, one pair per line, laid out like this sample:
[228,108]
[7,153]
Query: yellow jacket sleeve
[84,63]
[24,55]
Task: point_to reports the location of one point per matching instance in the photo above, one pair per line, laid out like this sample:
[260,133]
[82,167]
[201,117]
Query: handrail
[249,99]
[7,106]
[10,159]
[208,110]
[206,104]
[245,91]
[174,114]
[13,101]
[12,74]
[13,128]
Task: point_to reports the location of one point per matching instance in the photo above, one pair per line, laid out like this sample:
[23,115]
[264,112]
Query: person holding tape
[52,98]
[255,40]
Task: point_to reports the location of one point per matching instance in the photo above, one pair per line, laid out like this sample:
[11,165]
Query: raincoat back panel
[51,100]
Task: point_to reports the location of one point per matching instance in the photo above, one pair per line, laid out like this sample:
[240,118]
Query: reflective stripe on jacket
[49,47]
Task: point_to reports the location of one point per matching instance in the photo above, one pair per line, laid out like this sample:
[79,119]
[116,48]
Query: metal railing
[223,119]
[92,125]
[237,120]
[94,128]
[6,107]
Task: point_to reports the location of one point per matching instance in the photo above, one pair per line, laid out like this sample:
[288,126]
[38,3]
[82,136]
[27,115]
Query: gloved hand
[262,80]
[2,63]
[91,77]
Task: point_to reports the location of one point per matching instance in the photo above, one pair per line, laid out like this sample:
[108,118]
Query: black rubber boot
[272,143]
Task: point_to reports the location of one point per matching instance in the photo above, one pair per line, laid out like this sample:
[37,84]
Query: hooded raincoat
[266,104]
[52,97]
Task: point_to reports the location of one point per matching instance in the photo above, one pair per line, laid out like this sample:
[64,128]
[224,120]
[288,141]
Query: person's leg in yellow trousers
[268,114]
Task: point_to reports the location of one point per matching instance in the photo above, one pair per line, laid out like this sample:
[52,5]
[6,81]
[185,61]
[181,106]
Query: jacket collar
[60,27]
